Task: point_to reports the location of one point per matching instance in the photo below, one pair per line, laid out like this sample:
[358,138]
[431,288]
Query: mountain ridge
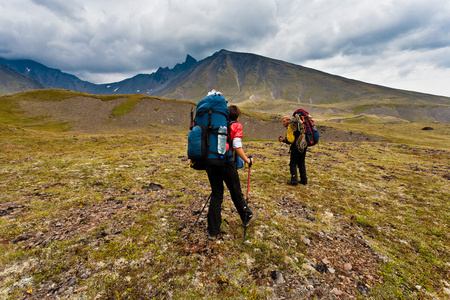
[258,83]
[138,84]
[12,81]
[48,76]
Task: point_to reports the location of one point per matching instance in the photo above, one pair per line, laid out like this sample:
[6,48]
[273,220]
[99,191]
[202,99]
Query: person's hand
[280,138]
[250,163]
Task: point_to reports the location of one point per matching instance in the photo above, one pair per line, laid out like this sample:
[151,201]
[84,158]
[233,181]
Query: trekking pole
[207,200]
[192,118]
[280,159]
[246,200]
[279,152]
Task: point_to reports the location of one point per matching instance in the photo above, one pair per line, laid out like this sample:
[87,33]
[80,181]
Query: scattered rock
[277,277]
[337,292]
[152,187]
[311,218]
[322,268]
[308,267]
[362,288]
[82,289]
[348,266]
[445,282]
[326,261]
[20,238]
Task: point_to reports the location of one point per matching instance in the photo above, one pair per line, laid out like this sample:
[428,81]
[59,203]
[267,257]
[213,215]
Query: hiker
[236,135]
[297,158]
[228,174]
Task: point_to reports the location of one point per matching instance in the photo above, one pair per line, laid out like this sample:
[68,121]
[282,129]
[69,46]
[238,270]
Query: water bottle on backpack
[222,140]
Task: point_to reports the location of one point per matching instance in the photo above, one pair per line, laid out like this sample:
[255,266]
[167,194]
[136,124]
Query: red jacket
[235,132]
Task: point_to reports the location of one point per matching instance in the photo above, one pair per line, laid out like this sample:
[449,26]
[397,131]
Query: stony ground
[341,263]
[339,260]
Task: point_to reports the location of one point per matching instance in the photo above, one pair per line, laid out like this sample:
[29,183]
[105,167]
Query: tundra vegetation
[111,215]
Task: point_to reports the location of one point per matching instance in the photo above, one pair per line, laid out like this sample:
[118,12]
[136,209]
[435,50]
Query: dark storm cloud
[104,41]
[65,9]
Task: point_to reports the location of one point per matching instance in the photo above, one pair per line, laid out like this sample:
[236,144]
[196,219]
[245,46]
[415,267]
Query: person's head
[286,120]
[235,112]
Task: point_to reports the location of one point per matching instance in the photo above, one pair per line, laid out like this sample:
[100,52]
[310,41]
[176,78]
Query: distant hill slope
[63,110]
[12,81]
[262,84]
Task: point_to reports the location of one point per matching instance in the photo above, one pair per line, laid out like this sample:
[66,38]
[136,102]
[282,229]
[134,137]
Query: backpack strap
[230,142]
[210,112]
[210,126]
[210,130]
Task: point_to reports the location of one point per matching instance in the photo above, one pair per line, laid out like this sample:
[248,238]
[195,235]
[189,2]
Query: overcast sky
[398,43]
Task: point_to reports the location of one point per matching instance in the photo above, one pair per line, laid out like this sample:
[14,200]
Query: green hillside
[111,215]
[97,201]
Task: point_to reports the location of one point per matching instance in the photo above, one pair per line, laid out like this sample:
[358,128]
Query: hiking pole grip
[251,162]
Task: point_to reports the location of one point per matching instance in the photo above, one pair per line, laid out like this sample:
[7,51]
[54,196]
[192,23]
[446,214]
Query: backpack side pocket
[198,142]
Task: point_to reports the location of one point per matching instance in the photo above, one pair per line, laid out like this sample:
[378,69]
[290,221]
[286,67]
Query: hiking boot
[212,237]
[291,182]
[251,218]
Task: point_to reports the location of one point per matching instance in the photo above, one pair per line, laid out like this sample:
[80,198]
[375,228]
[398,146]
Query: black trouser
[298,160]
[217,175]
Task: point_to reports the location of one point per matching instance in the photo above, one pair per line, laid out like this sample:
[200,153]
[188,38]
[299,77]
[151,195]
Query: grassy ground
[112,216]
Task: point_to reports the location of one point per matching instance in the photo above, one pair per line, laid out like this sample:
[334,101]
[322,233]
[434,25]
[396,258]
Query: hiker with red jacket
[228,174]
[297,158]
[236,135]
